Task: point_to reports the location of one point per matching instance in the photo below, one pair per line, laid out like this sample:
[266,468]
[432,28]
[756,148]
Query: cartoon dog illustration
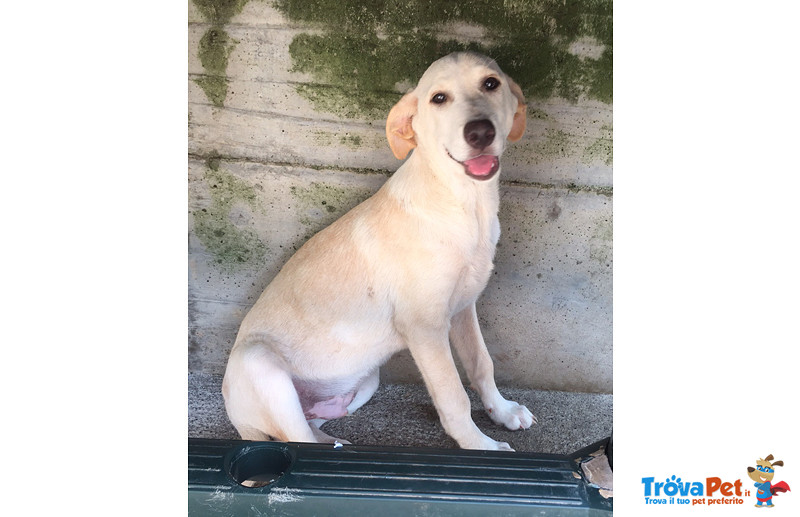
[762,474]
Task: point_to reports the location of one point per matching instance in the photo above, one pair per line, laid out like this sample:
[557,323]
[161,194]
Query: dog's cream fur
[402,269]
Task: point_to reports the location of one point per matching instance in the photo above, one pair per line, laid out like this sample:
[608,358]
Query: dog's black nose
[479,133]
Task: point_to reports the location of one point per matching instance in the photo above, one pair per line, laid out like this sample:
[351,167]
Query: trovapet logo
[715,490]
[712,490]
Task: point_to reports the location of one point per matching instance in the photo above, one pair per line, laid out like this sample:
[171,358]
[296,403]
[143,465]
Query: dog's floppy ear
[520,117]
[398,126]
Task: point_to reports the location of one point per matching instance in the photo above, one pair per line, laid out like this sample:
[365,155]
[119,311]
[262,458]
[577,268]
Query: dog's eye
[491,83]
[439,98]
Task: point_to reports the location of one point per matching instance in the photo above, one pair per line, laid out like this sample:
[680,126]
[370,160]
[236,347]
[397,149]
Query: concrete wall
[287,102]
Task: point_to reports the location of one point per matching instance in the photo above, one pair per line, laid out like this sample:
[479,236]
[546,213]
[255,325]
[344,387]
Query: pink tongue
[482,165]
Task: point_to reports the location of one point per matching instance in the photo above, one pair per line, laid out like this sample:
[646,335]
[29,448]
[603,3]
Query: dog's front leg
[465,334]
[431,351]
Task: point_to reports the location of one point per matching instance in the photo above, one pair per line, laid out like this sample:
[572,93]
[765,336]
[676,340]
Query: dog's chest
[478,262]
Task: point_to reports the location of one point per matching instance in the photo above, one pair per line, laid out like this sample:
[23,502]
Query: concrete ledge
[403,415]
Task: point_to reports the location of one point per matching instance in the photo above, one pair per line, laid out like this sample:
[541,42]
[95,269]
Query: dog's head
[461,112]
[764,470]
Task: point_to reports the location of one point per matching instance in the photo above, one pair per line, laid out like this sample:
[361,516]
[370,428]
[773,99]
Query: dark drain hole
[261,465]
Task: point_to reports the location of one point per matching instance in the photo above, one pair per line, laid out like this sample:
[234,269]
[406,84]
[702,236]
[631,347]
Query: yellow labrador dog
[402,269]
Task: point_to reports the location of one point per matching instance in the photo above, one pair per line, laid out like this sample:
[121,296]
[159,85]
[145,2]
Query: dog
[763,474]
[400,270]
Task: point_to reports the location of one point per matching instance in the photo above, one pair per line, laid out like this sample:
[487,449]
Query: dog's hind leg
[261,399]
[465,335]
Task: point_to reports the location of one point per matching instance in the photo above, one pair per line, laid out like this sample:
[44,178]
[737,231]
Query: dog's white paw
[482,442]
[487,444]
[512,415]
[503,446]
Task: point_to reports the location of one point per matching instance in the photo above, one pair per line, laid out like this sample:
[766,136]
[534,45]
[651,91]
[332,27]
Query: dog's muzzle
[480,134]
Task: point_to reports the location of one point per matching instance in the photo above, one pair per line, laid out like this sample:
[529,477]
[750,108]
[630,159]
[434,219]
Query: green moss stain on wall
[320,204]
[214,49]
[601,247]
[353,141]
[560,144]
[220,11]
[231,246]
[328,138]
[602,85]
[602,149]
[371,47]
[216,46]
[357,72]
[557,144]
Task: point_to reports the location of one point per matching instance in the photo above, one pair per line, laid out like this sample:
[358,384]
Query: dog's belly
[328,409]
[326,400]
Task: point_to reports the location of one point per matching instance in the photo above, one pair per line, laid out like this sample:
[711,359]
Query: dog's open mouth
[482,167]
